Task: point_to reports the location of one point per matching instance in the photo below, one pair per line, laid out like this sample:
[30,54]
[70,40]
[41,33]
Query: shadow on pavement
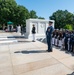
[68,52]
[16,37]
[71,73]
[29,52]
[25,41]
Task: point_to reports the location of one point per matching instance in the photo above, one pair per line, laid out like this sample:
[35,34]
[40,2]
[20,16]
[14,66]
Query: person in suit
[49,32]
[33,32]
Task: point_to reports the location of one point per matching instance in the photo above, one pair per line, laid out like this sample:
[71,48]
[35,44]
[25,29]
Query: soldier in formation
[64,39]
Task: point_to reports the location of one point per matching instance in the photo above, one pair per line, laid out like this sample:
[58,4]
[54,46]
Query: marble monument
[41,26]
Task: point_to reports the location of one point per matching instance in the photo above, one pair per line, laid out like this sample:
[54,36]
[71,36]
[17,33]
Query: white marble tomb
[41,26]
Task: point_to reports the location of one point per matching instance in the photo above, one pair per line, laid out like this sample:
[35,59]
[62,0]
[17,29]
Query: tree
[62,18]
[33,14]
[10,11]
[22,14]
[7,8]
[68,26]
[41,18]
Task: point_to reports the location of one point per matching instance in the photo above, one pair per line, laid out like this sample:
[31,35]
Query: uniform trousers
[56,41]
[60,43]
[62,47]
[53,39]
[49,43]
[33,37]
[72,45]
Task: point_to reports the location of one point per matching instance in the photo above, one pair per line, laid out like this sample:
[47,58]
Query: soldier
[33,32]
[56,38]
[67,40]
[63,38]
[72,41]
[53,38]
[60,39]
[69,37]
[49,36]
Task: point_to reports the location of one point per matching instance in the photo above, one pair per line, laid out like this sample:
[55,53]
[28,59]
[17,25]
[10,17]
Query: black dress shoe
[33,41]
[50,51]
[46,50]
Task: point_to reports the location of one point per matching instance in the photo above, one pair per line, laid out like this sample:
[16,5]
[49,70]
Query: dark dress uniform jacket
[49,37]
[33,30]
[49,31]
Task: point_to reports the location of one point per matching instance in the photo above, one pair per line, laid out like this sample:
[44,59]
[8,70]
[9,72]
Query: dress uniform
[60,39]
[33,32]
[63,38]
[56,39]
[67,40]
[53,38]
[49,36]
[72,42]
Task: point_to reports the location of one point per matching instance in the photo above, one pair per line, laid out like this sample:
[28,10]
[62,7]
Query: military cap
[50,22]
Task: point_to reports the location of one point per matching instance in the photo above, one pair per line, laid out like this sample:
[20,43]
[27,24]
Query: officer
[72,41]
[49,36]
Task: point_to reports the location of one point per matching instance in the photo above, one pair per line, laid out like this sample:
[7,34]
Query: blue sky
[45,8]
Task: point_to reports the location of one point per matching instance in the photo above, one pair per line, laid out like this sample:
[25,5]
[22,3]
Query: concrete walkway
[31,58]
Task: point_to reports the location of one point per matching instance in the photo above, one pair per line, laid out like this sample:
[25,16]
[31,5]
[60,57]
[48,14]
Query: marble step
[8,41]
[3,36]
[12,36]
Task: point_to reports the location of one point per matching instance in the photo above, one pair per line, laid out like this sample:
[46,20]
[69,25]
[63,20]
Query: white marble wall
[41,26]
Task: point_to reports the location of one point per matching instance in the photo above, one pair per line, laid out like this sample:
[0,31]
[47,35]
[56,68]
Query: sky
[46,8]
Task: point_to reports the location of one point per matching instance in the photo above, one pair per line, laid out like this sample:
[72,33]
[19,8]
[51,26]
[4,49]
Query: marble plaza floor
[31,58]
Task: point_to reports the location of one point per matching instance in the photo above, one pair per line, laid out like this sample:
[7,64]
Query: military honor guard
[53,38]
[49,32]
[72,42]
[64,39]
[33,32]
[56,38]
[60,39]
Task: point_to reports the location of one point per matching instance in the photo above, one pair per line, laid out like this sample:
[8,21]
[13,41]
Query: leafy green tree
[41,18]
[7,8]
[33,14]
[10,11]
[62,18]
[21,14]
[68,26]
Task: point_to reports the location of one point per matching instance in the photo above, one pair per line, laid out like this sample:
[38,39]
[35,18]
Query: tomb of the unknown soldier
[41,26]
